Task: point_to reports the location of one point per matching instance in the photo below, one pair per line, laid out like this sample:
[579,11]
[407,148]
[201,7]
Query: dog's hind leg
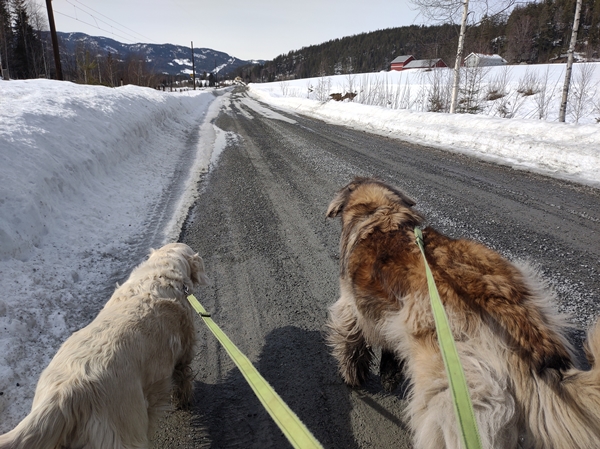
[433,418]
[182,385]
[348,344]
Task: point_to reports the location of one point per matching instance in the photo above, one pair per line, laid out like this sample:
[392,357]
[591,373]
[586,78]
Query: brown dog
[109,382]
[510,338]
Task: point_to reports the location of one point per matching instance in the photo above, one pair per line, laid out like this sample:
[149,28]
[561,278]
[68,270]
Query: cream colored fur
[109,382]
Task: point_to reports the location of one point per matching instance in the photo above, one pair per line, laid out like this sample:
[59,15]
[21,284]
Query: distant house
[425,64]
[399,63]
[481,60]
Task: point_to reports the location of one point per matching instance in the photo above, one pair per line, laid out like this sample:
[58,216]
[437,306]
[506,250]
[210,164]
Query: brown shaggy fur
[511,340]
[109,382]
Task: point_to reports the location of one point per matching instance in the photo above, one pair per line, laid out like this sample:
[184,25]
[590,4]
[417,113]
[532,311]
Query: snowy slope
[92,177]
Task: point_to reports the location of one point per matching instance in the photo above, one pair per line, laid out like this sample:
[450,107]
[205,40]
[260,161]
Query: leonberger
[109,382]
[512,342]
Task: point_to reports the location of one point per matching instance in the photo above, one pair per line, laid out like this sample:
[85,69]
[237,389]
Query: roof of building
[422,63]
[484,56]
[401,59]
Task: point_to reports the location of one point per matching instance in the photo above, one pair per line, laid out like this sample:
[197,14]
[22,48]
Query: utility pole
[59,75]
[193,67]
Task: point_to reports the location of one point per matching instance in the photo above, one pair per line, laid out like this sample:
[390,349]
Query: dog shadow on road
[298,366]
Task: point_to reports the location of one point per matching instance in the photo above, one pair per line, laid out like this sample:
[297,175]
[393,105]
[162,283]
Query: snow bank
[566,151]
[88,174]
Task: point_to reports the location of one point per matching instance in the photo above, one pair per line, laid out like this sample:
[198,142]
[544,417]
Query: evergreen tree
[6,36]
[26,44]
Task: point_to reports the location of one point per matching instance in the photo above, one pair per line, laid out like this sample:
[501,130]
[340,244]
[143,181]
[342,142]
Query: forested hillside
[537,32]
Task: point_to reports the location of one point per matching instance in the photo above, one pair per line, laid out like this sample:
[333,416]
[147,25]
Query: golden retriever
[109,382]
[511,340]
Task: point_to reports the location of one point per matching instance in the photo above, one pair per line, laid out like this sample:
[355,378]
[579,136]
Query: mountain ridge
[167,59]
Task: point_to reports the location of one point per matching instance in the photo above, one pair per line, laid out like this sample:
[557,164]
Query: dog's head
[367,205]
[364,197]
[189,262]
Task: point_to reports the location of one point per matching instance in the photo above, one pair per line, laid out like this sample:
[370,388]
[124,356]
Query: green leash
[291,426]
[456,376]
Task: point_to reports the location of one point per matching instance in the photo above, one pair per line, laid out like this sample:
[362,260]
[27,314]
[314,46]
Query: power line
[93,26]
[75,7]
[112,20]
[130,39]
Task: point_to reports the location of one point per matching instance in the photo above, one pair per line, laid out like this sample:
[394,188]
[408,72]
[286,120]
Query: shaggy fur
[109,382]
[512,343]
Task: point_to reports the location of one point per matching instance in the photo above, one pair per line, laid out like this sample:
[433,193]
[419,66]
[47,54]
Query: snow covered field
[395,104]
[92,177]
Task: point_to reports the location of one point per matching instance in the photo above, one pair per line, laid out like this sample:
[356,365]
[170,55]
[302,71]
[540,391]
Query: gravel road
[272,257]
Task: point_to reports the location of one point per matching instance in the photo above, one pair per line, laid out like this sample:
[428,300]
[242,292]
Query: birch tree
[565,93]
[448,11]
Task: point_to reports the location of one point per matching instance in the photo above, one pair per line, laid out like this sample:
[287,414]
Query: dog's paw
[356,368]
[390,371]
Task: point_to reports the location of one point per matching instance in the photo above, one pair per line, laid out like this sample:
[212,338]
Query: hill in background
[167,59]
[532,33]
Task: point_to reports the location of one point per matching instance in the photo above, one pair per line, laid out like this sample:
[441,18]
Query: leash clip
[419,237]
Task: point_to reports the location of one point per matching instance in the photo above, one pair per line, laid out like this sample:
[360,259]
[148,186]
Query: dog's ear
[341,198]
[403,199]
[198,275]
[337,204]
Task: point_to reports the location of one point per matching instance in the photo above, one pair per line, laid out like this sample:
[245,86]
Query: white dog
[109,382]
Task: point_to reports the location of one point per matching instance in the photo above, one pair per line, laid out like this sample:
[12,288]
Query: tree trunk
[459,53]
[565,93]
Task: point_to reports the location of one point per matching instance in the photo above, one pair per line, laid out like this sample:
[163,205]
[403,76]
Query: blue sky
[259,29]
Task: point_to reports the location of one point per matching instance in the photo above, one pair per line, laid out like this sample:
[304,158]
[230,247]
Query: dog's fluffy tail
[566,412]
[592,348]
[44,428]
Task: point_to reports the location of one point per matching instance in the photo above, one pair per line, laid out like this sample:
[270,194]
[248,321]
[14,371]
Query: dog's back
[109,382]
[511,339]
[100,391]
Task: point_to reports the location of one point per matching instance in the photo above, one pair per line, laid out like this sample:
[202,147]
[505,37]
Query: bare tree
[544,95]
[438,95]
[39,23]
[471,95]
[521,42]
[322,89]
[582,92]
[498,93]
[448,11]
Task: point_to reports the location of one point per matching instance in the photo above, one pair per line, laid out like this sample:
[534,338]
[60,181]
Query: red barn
[399,63]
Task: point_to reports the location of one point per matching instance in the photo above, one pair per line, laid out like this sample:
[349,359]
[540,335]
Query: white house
[481,60]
